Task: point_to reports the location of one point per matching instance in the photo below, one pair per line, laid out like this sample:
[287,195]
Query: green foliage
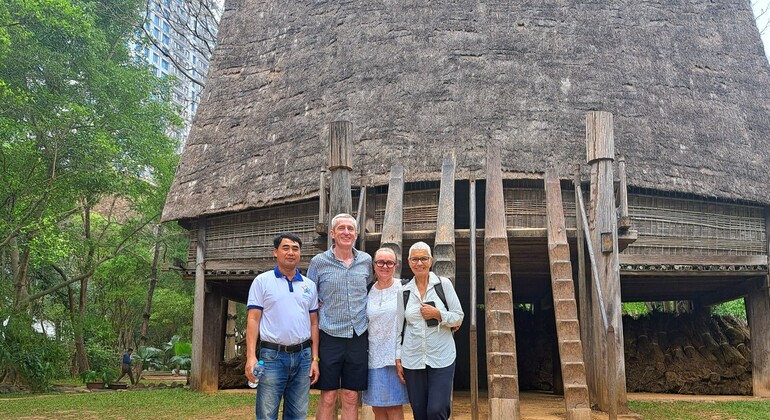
[35,357]
[635,309]
[150,357]
[101,358]
[736,308]
[107,375]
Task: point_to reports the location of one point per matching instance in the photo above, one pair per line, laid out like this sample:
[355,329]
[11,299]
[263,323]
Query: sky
[762,11]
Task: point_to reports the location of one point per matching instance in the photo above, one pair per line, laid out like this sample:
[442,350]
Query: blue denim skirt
[385,390]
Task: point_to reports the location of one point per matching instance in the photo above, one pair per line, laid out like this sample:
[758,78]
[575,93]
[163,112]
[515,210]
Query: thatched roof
[687,82]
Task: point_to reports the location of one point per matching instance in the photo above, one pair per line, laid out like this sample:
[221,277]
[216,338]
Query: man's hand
[315,373]
[249,372]
[400,370]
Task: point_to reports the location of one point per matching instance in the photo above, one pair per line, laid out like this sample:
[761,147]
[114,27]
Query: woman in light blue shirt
[425,352]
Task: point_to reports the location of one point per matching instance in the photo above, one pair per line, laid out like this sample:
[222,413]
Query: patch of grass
[683,410]
[140,404]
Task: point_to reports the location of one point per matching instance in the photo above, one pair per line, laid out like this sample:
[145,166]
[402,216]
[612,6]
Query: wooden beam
[624,220]
[361,219]
[232,315]
[473,330]
[393,224]
[213,341]
[695,259]
[196,358]
[600,153]
[502,372]
[445,264]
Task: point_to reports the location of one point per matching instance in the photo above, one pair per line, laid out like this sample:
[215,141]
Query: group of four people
[350,326]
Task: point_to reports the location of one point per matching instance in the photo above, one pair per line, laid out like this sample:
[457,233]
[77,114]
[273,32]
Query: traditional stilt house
[462,123]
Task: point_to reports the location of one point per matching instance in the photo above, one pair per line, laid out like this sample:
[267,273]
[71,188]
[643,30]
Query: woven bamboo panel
[420,210]
[683,226]
[525,207]
[249,235]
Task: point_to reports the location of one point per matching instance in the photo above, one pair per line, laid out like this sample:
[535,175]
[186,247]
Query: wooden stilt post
[361,219]
[444,245]
[198,308]
[232,315]
[502,372]
[472,308]
[445,264]
[340,165]
[600,152]
[758,314]
[393,222]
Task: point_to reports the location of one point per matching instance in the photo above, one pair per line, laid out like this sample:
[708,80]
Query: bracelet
[316,359]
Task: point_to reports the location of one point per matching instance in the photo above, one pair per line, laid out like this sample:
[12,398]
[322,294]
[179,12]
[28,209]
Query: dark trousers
[430,392]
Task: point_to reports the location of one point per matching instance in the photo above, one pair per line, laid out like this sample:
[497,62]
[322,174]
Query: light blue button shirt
[342,292]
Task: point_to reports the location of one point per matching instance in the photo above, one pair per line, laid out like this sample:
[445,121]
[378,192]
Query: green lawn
[682,410]
[138,404]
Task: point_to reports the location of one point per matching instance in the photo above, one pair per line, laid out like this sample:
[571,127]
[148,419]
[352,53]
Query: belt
[288,349]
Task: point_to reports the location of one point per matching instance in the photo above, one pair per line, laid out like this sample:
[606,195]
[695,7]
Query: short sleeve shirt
[286,305]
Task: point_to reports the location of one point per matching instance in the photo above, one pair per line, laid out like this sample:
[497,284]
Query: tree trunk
[150,291]
[19,266]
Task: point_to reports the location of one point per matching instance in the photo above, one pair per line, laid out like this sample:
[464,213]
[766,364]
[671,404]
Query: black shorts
[344,362]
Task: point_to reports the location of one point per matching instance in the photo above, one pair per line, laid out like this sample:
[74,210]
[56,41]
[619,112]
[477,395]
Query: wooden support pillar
[361,219]
[502,370]
[758,313]
[340,165]
[600,152]
[232,315]
[624,220]
[393,222]
[213,345]
[196,358]
[444,245]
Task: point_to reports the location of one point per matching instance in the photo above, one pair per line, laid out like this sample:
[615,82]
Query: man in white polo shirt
[283,318]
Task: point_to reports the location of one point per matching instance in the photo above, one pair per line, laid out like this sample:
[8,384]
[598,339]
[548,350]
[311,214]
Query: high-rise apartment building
[181,35]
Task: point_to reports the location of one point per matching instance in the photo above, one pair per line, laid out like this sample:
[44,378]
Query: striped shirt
[342,291]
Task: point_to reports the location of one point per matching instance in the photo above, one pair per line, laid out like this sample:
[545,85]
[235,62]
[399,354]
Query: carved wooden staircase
[573,370]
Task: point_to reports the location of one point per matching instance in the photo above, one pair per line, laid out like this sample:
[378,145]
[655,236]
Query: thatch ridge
[687,82]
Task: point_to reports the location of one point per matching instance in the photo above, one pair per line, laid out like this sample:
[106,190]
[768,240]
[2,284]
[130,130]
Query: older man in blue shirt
[341,274]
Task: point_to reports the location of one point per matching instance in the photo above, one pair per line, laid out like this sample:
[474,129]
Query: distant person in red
[125,367]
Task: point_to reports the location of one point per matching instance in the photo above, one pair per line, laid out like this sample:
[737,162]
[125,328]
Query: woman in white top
[425,359]
[385,393]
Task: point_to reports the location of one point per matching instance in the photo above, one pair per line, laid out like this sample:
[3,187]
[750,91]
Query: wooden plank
[198,308]
[624,220]
[392,224]
[695,259]
[600,152]
[232,315]
[502,372]
[445,264]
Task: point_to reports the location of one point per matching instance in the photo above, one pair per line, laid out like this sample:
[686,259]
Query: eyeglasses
[415,260]
[389,264]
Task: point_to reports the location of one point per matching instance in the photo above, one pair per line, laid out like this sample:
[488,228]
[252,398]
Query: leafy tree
[81,124]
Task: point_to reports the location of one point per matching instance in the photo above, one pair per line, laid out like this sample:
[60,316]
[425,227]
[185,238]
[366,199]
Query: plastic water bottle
[259,369]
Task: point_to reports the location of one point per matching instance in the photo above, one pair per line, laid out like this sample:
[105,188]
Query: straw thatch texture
[687,82]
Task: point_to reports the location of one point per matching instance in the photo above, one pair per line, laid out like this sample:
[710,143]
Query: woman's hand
[400,371]
[430,312]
